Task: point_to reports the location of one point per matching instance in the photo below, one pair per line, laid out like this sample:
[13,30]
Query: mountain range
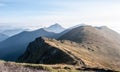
[84,46]
[81,46]
[13,47]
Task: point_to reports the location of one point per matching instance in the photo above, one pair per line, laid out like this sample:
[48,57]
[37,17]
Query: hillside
[101,38]
[50,51]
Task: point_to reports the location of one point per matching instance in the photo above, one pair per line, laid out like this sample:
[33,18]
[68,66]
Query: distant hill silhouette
[14,46]
[3,37]
[12,32]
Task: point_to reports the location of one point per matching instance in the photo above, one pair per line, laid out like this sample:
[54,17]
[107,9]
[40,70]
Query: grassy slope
[25,67]
[91,58]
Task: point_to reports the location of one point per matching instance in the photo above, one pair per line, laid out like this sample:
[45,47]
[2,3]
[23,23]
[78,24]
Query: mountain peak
[55,25]
[56,28]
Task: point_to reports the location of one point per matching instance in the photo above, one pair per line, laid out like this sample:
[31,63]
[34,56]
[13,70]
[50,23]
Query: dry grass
[26,67]
[91,58]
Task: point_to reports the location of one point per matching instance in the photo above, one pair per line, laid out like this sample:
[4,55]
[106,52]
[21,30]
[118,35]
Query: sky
[42,13]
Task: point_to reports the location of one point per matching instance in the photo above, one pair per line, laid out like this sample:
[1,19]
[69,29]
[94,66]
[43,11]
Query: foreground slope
[14,67]
[25,67]
[14,46]
[83,46]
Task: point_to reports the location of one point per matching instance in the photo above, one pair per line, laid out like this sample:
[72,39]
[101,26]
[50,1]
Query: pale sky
[41,13]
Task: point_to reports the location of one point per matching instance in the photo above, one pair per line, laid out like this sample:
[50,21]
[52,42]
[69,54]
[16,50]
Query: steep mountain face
[14,46]
[3,37]
[83,46]
[56,28]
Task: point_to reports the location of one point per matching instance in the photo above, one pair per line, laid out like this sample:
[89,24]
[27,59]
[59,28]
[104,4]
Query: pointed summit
[56,28]
[56,25]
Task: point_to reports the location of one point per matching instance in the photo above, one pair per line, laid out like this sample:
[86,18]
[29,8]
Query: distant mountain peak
[56,28]
[55,25]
